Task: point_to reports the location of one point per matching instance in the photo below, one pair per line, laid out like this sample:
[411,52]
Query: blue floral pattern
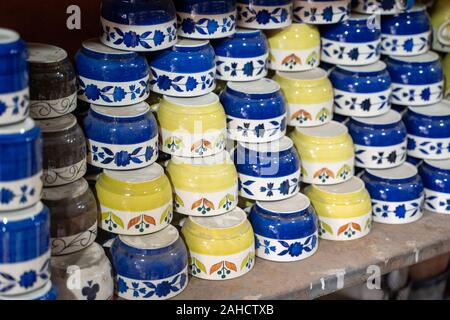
[428,147]
[326,15]
[337,51]
[24,194]
[285,187]
[393,45]
[252,70]
[422,95]
[437,203]
[206,26]
[182,83]
[26,280]
[123,158]
[15,106]
[407,210]
[257,130]
[292,248]
[380,158]
[366,104]
[262,16]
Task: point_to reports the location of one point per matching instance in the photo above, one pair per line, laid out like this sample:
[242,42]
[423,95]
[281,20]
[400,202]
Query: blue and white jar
[111,77]
[205,19]
[285,230]
[380,142]
[267,171]
[25,248]
[436,179]
[429,131]
[122,138]
[20,165]
[256,111]
[14,92]
[382,7]
[416,80]
[264,14]
[397,194]
[188,69]
[353,42]
[150,267]
[242,57]
[361,91]
[321,11]
[138,25]
[406,34]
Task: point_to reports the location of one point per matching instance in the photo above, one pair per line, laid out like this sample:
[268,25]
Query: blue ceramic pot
[285,230]
[206,19]
[406,34]
[429,131]
[20,165]
[110,77]
[256,111]
[380,142]
[121,138]
[267,171]
[150,267]
[264,14]
[436,179]
[362,91]
[397,194]
[242,57]
[138,25]
[417,80]
[48,292]
[353,42]
[25,248]
[414,161]
[186,70]
[382,7]
[321,11]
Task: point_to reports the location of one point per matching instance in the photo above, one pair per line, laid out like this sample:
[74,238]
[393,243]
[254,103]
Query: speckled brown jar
[64,150]
[52,81]
[73,211]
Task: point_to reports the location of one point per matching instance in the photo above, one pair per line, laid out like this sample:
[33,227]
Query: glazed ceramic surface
[417,80]
[309,96]
[200,19]
[436,179]
[25,248]
[285,230]
[53,83]
[397,194]
[47,292]
[295,48]
[20,165]
[429,131]
[221,247]
[74,216]
[353,42]
[440,19]
[134,202]
[64,150]
[321,11]
[192,127]
[380,142]
[142,25]
[256,111]
[205,186]
[83,275]
[361,91]
[383,7]
[326,152]
[187,69]
[344,210]
[264,14]
[111,77]
[14,93]
[242,57]
[150,267]
[267,171]
[121,138]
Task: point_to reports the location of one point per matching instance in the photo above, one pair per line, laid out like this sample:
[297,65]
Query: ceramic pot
[47,292]
[397,194]
[440,20]
[321,12]
[383,7]
[436,179]
[221,247]
[309,96]
[264,14]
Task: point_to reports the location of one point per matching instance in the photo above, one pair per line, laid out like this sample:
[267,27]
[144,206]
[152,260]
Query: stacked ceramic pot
[25,221]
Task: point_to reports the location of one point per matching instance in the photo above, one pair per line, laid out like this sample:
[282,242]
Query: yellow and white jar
[344,210]
[204,186]
[221,247]
[309,96]
[192,127]
[134,202]
[326,153]
[294,48]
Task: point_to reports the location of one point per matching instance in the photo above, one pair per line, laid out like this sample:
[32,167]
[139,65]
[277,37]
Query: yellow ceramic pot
[446,66]
[440,20]
[221,247]
[192,127]
[309,96]
[326,153]
[204,186]
[294,48]
[344,210]
[134,202]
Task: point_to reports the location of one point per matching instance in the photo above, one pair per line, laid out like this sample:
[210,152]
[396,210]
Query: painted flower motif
[365,105]
[118,94]
[400,211]
[149,153]
[259,130]
[6,196]
[295,249]
[131,39]
[327,13]
[2,107]
[284,187]
[92,92]
[411,144]
[408,45]
[163,289]
[158,37]
[445,204]
[27,279]
[191,84]
[248,69]
[284,15]
[122,286]
[425,94]
[212,26]
[164,82]
[122,159]
[353,54]
[91,290]
[392,157]
[263,17]
[188,26]
[385,211]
